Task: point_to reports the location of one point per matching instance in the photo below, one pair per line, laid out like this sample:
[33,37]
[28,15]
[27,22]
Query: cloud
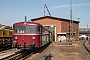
[81,4]
[62,6]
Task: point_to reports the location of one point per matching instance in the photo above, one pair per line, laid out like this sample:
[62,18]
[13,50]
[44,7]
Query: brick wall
[65,27]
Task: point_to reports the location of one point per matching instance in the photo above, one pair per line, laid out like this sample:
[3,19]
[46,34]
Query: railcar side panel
[0,33]
[45,39]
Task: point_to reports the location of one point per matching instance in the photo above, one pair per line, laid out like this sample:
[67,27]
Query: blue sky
[14,10]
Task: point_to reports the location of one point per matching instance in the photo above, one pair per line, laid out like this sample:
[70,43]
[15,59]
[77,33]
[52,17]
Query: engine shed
[59,27]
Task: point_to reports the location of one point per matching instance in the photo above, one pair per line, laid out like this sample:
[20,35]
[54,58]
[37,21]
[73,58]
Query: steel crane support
[47,9]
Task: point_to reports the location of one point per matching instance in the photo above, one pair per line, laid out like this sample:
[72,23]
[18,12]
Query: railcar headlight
[16,37]
[33,37]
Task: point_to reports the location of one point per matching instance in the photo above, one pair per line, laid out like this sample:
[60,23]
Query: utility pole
[78,28]
[87,30]
[71,21]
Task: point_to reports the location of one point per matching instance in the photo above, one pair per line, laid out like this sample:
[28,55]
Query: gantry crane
[47,10]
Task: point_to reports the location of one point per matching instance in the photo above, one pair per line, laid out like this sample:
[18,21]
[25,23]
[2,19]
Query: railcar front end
[26,35]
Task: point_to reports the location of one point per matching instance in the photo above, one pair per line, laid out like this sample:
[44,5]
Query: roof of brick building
[53,18]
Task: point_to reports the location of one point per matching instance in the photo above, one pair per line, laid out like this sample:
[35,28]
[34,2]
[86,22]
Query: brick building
[58,26]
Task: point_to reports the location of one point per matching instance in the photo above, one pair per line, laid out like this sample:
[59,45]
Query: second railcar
[6,37]
[30,35]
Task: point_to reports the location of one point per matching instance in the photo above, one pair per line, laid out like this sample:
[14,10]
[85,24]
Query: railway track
[87,48]
[35,51]
[19,54]
[5,51]
[15,54]
[32,53]
[7,54]
[5,47]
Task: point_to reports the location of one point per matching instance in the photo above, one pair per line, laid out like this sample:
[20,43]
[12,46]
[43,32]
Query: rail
[86,47]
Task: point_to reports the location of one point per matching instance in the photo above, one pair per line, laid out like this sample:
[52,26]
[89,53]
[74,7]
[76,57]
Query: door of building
[52,29]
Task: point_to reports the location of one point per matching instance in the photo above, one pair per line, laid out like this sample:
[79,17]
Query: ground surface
[62,52]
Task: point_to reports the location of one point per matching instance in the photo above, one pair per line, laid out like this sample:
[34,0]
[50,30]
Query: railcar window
[11,33]
[38,29]
[30,29]
[19,29]
[3,32]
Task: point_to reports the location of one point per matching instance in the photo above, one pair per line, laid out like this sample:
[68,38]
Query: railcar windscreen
[19,29]
[38,29]
[30,29]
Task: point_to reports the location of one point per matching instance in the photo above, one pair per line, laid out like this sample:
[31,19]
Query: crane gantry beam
[47,9]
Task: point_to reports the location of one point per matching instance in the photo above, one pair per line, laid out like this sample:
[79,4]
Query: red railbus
[30,35]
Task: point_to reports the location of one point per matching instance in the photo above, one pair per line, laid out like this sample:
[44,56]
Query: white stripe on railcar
[26,34]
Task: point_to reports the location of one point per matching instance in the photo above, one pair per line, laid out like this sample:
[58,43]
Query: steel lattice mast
[71,21]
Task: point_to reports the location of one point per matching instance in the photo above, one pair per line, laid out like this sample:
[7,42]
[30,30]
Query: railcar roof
[22,23]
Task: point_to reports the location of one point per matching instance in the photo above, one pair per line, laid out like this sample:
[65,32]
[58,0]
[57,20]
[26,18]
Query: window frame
[23,30]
